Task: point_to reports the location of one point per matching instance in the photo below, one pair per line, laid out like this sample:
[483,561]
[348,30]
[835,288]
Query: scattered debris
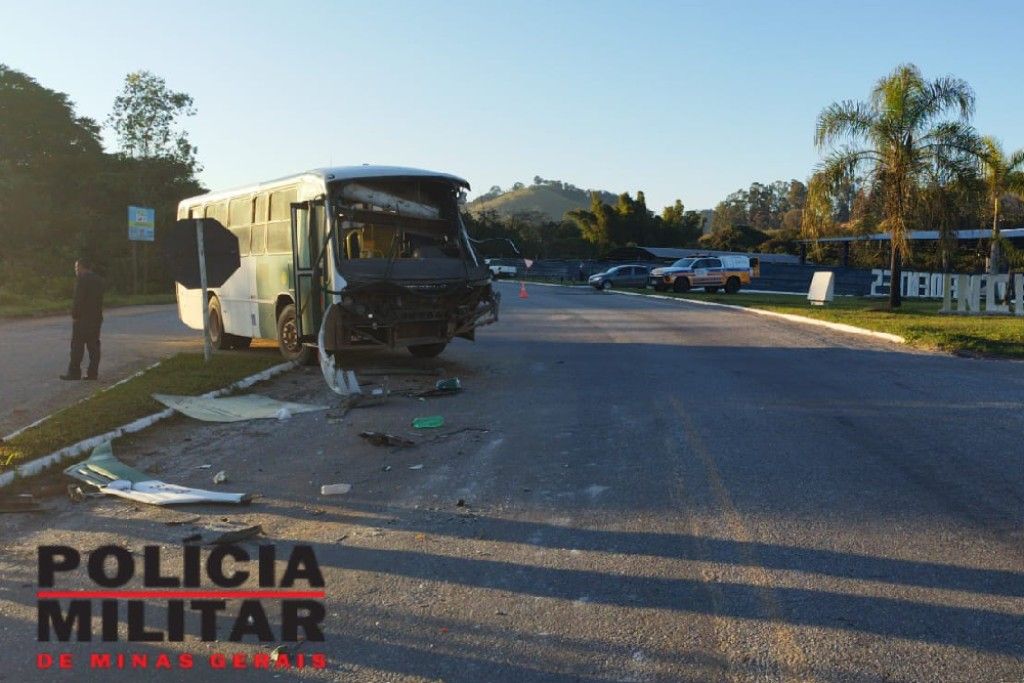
[416,467]
[386,468]
[461,503]
[220,477]
[179,522]
[113,477]
[203,467]
[335,489]
[283,414]
[234,408]
[383,439]
[375,395]
[285,650]
[431,422]
[375,372]
[443,387]
[223,531]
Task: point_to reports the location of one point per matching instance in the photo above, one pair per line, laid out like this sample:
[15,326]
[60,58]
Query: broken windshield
[397,219]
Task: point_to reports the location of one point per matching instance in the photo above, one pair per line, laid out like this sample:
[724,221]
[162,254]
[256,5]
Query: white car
[500,270]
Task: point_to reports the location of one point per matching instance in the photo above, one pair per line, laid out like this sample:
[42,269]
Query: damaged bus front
[365,256]
[405,273]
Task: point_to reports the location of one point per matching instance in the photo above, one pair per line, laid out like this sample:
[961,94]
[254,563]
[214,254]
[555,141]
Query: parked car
[501,268]
[710,272]
[620,276]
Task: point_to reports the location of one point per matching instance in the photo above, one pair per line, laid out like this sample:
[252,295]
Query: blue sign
[141,224]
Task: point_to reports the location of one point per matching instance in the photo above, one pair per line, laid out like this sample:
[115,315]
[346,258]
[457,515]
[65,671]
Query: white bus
[385,245]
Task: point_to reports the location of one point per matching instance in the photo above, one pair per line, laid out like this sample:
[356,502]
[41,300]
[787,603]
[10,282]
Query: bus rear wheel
[427,350]
[220,339]
[288,338]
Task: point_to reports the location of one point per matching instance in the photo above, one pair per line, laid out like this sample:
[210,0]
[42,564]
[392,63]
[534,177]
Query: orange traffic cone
[522,290]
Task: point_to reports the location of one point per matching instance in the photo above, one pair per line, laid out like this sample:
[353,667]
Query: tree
[146,119]
[48,157]
[796,195]
[902,133]
[1002,175]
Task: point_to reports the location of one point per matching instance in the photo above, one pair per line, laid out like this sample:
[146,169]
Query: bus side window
[259,226]
[279,227]
[259,239]
[240,222]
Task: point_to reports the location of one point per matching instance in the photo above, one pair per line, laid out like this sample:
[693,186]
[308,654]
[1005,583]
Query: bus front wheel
[288,338]
[427,350]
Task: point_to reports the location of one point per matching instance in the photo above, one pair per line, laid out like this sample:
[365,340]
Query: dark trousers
[85,335]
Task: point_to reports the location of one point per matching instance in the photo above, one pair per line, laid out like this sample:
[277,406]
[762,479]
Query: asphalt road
[35,353]
[653,491]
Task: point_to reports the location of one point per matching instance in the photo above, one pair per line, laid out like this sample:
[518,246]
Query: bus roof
[332,174]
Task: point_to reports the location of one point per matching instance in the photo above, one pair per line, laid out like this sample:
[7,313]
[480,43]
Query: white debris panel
[113,477]
[234,408]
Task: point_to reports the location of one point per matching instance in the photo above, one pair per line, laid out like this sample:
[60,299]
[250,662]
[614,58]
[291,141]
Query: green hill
[550,198]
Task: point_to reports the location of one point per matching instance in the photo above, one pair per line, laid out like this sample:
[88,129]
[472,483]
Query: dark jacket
[87,307]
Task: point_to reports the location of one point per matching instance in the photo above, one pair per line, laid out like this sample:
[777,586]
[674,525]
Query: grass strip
[185,374]
[24,306]
[917,321]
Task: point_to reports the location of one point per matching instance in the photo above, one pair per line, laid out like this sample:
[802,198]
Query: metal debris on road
[285,651]
[113,477]
[372,372]
[383,439]
[179,522]
[220,477]
[416,467]
[443,387]
[340,381]
[224,531]
[234,408]
[335,489]
[431,422]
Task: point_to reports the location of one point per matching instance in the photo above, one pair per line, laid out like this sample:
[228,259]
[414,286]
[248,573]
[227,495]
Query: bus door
[308,267]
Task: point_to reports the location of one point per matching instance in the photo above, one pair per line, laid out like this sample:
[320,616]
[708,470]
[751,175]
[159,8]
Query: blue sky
[687,100]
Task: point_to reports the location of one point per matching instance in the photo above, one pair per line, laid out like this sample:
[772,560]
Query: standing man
[86,317]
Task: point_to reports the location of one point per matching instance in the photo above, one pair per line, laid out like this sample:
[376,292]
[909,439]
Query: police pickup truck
[726,272]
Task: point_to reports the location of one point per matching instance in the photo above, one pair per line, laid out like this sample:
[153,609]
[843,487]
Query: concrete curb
[35,466]
[838,327]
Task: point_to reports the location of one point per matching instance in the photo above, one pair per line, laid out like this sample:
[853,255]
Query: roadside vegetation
[919,322]
[19,305]
[184,374]
[63,195]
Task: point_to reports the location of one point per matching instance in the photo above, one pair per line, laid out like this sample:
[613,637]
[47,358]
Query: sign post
[201,249]
[201,253]
[141,228]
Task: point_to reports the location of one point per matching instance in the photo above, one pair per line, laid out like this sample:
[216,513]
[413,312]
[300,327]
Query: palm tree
[1002,175]
[894,141]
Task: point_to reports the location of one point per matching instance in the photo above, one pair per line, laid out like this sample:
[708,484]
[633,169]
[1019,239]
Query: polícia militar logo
[173,606]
